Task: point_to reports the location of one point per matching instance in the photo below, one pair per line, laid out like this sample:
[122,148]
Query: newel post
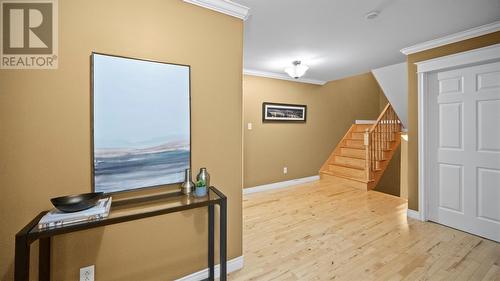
[366,141]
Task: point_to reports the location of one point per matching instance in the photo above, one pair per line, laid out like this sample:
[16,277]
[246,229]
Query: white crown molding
[223,6]
[232,265]
[460,36]
[279,185]
[280,76]
[484,54]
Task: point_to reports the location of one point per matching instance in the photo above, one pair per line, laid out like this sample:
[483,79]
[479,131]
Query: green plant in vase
[201,188]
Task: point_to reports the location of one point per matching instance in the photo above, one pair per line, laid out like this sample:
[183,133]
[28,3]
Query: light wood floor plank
[327,231]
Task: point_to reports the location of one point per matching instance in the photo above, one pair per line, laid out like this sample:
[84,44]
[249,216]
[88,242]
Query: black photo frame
[284,112]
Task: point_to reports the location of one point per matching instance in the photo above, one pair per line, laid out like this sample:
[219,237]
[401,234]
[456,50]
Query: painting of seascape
[141,128]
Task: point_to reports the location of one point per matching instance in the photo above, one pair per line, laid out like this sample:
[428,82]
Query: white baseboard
[232,265]
[278,185]
[413,214]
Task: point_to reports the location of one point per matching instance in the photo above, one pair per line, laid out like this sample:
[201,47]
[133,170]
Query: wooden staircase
[363,154]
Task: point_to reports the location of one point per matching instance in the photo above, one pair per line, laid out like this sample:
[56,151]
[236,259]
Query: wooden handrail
[380,117]
[378,138]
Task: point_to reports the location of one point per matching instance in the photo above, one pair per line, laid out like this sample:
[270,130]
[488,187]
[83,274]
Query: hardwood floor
[326,231]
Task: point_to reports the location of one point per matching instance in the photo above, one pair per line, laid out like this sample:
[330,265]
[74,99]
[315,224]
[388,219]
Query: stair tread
[348,166]
[346,177]
[351,139]
[340,155]
[360,148]
[347,171]
[343,146]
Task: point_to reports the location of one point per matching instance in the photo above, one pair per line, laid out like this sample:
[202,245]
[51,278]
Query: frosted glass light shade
[297,70]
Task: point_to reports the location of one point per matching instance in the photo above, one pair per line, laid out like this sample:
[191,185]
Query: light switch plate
[249,126]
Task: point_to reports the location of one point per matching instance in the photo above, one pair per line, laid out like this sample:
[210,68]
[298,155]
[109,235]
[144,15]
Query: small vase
[200,191]
[188,185]
[204,176]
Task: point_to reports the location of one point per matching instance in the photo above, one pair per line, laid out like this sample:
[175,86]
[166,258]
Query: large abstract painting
[141,123]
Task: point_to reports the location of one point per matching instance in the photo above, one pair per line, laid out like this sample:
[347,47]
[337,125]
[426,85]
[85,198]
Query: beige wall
[45,135]
[390,182]
[302,147]
[474,43]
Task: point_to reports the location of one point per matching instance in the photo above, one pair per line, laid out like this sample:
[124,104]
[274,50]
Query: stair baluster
[379,137]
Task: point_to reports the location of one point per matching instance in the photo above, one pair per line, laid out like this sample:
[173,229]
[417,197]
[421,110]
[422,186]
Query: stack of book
[58,218]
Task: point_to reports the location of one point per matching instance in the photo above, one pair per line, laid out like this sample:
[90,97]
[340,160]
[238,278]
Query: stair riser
[386,136]
[349,161]
[385,156]
[362,127]
[344,182]
[358,153]
[358,136]
[354,143]
[349,172]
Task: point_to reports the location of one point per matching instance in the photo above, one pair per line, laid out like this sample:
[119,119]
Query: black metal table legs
[22,259]
[211,239]
[44,259]
[222,241]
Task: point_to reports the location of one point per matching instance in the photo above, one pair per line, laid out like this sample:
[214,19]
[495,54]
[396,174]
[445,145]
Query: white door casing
[459,141]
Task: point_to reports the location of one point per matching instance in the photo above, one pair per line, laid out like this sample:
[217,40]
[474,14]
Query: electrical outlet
[87,273]
[285,170]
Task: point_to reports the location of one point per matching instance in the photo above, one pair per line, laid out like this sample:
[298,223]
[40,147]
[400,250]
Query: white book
[58,218]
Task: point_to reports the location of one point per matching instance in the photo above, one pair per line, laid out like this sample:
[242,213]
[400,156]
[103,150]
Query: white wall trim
[281,76]
[223,6]
[365,122]
[413,214]
[278,185]
[422,145]
[480,55]
[232,265]
[456,37]
[425,68]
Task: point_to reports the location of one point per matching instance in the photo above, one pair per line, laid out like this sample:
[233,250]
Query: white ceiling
[336,41]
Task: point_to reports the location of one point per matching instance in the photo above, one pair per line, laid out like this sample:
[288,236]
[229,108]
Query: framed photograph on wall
[282,112]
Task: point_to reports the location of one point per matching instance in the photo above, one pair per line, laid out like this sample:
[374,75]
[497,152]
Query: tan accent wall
[404,167]
[390,182]
[462,46]
[45,136]
[382,100]
[302,147]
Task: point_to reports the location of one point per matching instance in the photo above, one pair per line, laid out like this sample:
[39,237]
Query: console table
[124,211]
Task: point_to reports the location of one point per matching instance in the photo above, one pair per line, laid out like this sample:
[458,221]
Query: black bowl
[75,203]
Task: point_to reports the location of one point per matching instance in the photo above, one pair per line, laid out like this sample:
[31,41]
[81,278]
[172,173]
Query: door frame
[424,69]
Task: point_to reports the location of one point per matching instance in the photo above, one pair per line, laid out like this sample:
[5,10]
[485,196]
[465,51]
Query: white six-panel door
[464,143]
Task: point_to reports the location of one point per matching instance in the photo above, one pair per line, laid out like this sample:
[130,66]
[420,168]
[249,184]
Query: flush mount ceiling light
[297,70]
